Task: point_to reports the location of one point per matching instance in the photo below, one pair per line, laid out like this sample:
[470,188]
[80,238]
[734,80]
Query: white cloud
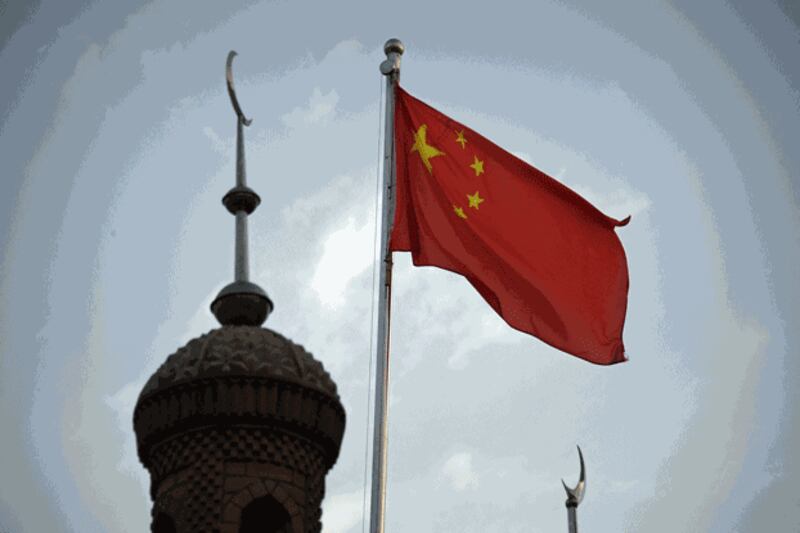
[431,305]
[340,512]
[122,404]
[459,471]
[476,332]
[102,463]
[618,203]
[217,143]
[327,239]
[706,461]
[525,156]
[320,108]
[347,252]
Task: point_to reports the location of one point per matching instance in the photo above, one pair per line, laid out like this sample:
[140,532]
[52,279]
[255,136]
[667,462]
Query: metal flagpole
[575,497]
[391,69]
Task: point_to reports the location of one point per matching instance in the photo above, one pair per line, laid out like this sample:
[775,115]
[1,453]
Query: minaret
[575,496]
[239,427]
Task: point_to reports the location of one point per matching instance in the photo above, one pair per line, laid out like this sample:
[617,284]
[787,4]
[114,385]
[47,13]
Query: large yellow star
[477,166]
[460,139]
[426,151]
[475,200]
[459,212]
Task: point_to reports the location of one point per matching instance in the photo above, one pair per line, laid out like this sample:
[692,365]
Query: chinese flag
[545,259]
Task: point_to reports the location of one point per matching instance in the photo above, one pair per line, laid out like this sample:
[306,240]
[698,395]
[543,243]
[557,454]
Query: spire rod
[241,259]
[240,302]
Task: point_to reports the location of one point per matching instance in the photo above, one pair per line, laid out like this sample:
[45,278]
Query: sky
[117,142]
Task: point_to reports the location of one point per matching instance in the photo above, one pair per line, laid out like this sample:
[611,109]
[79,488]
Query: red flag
[545,259]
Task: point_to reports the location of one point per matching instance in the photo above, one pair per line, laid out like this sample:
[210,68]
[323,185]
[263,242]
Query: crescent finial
[575,496]
[232,91]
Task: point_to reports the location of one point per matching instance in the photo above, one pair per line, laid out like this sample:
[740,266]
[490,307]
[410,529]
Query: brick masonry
[215,441]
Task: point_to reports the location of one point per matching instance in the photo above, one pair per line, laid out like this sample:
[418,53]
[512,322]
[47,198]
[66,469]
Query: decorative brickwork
[242,350]
[239,416]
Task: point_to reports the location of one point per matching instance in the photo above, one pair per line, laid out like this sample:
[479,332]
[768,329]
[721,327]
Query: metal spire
[240,302]
[575,496]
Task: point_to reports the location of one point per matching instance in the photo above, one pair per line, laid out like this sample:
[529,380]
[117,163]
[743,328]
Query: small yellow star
[459,212]
[460,139]
[475,200]
[426,151]
[477,166]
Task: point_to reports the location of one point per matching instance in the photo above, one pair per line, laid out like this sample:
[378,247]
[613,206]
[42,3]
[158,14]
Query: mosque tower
[239,427]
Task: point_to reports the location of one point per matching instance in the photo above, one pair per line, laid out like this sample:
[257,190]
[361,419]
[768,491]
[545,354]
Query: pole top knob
[394,46]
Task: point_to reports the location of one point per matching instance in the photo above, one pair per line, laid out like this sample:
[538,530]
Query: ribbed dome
[238,407]
[241,351]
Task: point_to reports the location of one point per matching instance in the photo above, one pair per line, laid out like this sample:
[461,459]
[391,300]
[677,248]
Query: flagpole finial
[240,302]
[394,45]
[393,48]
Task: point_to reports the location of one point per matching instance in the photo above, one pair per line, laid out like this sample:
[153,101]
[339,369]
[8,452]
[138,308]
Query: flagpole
[391,69]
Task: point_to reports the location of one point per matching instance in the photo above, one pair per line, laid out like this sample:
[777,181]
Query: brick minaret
[239,427]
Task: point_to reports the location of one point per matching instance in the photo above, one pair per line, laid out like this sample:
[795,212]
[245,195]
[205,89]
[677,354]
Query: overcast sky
[117,143]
